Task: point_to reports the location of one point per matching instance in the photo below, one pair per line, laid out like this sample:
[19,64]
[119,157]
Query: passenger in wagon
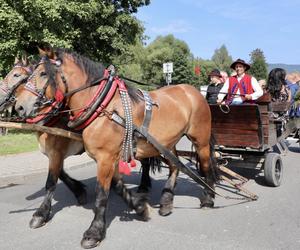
[277,86]
[291,80]
[280,92]
[240,88]
[262,83]
[214,87]
[224,76]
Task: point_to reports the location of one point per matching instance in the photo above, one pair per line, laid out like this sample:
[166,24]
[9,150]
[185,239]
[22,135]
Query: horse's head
[41,94]
[13,82]
[57,77]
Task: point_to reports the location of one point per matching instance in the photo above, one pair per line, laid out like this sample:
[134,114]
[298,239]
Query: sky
[242,26]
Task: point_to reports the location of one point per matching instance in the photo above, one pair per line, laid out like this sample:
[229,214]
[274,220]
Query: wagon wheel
[273,169]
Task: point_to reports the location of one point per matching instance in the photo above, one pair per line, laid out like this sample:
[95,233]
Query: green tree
[129,64]
[99,29]
[259,68]
[167,49]
[222,59]
[206,67]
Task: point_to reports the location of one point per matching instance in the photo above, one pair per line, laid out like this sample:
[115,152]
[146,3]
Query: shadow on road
[116,206]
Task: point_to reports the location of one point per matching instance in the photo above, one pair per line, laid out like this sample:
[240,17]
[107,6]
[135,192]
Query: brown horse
[13,79]
[56,148]
[63,76]
[18,75]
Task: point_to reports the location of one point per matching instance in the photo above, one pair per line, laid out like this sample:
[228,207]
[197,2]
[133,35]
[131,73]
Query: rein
[222,93]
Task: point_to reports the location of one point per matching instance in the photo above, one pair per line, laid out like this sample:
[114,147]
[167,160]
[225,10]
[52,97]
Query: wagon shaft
[39,128]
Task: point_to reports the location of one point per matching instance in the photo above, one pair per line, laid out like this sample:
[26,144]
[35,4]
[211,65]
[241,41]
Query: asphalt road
[271,222]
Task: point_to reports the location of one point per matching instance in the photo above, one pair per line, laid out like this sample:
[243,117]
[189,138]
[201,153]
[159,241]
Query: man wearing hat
[240,87]
[214,87]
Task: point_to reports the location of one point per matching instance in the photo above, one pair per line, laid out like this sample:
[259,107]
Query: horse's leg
[41,215]
[145,184]
[97,230]
[76,187]
[208,169]
[105,174]
[167,196]
[136,201]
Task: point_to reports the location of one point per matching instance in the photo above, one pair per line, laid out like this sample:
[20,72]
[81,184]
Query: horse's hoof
[165,210]
[88,243]
[37,222]
[140,205]
[146,213]
[207,204]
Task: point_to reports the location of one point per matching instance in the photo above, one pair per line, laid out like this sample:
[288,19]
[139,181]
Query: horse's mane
[94,70]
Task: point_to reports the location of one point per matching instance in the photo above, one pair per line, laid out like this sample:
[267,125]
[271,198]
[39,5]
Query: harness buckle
[111,70]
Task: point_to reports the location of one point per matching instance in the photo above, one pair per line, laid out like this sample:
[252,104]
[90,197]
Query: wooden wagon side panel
[265,121]
[241,127]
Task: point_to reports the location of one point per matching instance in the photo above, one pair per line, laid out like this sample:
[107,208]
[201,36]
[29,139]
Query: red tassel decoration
[124,168]
[133,163]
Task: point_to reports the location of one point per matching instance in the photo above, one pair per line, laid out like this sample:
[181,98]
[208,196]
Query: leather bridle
[10,97]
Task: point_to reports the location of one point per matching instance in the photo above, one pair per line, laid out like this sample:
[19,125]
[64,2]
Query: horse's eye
[43,73]
[17,75]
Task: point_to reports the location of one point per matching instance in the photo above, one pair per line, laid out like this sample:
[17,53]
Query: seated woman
[277,86]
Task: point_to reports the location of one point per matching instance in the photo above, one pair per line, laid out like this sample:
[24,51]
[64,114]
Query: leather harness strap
[147,113]
[165,152]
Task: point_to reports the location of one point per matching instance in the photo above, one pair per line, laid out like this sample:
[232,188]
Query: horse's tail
[213,161]
[155,164]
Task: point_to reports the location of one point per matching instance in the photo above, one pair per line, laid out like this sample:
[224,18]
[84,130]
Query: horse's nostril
[20,109]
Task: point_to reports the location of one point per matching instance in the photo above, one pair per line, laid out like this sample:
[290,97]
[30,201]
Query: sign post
[168,70]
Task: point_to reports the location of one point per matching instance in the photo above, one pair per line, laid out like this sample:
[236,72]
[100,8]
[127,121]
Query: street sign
[168,67]
[168,78]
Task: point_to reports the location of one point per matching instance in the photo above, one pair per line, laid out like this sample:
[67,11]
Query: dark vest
[212,92]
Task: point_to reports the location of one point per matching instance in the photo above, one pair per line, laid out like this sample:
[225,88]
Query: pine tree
[258,63]
[222,59]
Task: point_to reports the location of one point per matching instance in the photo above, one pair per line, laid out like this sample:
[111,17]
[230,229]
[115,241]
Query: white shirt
[257,90]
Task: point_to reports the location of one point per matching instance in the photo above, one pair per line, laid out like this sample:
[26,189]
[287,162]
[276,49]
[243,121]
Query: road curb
[17,179]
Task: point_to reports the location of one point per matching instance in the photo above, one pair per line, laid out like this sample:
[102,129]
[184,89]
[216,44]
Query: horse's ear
[17,60]
[25,60]
[41,52]
[48,51]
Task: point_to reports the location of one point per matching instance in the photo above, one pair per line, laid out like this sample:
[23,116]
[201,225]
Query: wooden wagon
[251,136]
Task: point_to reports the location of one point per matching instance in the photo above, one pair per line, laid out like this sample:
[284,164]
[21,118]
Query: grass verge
[16,142]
